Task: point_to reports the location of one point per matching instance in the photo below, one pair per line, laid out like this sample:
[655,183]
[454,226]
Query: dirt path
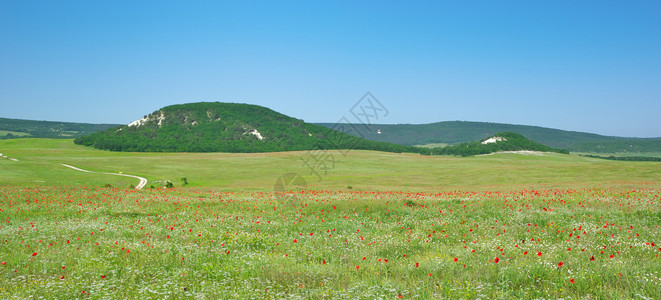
[143,181]
[7,157]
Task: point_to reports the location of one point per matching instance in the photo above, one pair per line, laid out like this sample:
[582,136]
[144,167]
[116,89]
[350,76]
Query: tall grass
[59,242]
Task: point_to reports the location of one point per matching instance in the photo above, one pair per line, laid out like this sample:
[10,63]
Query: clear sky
[591,66]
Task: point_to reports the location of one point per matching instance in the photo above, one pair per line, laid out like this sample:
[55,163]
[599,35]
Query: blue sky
[591,66]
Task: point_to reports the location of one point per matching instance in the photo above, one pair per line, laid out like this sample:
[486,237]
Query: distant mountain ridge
[449,132]
[455,132]
[17,128]
[225,127]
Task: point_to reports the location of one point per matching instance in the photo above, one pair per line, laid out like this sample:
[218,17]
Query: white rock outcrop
[494,139]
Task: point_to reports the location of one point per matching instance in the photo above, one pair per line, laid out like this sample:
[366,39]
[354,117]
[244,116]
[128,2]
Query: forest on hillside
[226,127]
[510,142]
[16,128]
[456,132]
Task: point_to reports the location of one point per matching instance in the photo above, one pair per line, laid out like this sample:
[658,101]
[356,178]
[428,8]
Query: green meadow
[40,159]
[370,225]
[16,133]
[102,243]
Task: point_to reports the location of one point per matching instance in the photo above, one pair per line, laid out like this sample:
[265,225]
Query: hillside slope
[225,127]
[16,128]
[455,132]
[503,141]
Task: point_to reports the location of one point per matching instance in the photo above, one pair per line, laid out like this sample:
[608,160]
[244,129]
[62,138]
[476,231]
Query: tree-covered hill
[172,139]
[503,141]
[455,132]
[226,127]
[16,128]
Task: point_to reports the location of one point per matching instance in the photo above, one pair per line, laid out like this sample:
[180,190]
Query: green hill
[455,132]
[16,128]
[429,135]
[225,127]
[504,141]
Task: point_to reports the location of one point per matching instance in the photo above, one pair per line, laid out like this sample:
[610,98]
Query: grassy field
[647,154]
[433,145]
[70,243]
[40,159]
[371,225]
[16,133]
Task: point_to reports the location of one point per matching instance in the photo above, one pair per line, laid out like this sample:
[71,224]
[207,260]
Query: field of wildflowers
[90,242]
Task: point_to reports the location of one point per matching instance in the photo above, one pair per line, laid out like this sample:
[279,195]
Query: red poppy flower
[560,264]
[539,253]
[571,280]
[496,260]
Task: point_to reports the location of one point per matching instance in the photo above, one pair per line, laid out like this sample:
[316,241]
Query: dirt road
[143,181]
